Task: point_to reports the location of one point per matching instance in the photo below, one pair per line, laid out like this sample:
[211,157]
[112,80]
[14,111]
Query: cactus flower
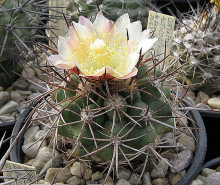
[103,47]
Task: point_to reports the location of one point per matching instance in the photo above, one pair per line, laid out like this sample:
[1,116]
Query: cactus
[197,39]
[22,23]
[106,102]
[112,9]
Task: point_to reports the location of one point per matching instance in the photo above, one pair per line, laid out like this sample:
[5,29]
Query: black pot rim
[7,125]
[210,113]
[199,156]
[16,155]
[211,163]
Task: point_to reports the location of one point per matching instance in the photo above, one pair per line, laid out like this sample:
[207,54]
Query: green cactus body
[21,22]
[112,9]
[116,120]
[17,22]
[198,40]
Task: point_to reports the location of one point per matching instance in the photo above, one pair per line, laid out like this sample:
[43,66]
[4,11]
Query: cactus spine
[112,9]
[197,38]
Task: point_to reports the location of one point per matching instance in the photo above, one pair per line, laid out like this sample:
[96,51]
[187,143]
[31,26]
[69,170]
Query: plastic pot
[212,163]
[210,114]
[211,121]
[18,156]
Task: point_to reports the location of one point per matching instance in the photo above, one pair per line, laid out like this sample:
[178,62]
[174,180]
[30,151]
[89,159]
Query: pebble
[160,170]
[182,119]
[134,179]
[52,163]
[24,93]
[188,142]
[175,177]
[88,174]
[202,178]
[33,95]
[9,107]
[108,179]
[29,135]
[31,149]
[16,96]
[20,84]
[63,174]
[159,181]
[203,106]
[213,179]
[75,181]
[197,100]
[4,97]
[123,182]
[46,153]
[218,169]
[39,134]
[27,72]
[181,161]
[207,171]
[203,97]
[146,179]
[124,174]
[7,118]
[35,88]
[214,102]
[197,182]
[78,169]
[38,165]
[97,176]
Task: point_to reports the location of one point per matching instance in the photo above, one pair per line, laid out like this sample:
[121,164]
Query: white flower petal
[145,35]
[63,48]
[102,25]
[146,44]
[86,22]
[120,25]
[131,62]
[72,33]
[134,30]
[82,31]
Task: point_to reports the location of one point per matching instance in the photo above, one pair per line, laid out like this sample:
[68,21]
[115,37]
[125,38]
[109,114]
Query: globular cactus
[121,118]
[106,102]
[112,9]
[197,41]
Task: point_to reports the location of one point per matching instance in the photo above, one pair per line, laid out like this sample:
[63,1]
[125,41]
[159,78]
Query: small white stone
[31,149]
[63,174]
[39,134]
[45,154]
[78,169]
[97,176]
[29,135]
[123,182]
[16,96]
[188,142]
[203,97]
[197,182]
[88,174]
[9,107]
[207,171]
[214,102]
[124,174]
[4,97]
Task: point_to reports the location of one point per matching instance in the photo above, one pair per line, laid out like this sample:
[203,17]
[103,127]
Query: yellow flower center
[95,53]
[98,45]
